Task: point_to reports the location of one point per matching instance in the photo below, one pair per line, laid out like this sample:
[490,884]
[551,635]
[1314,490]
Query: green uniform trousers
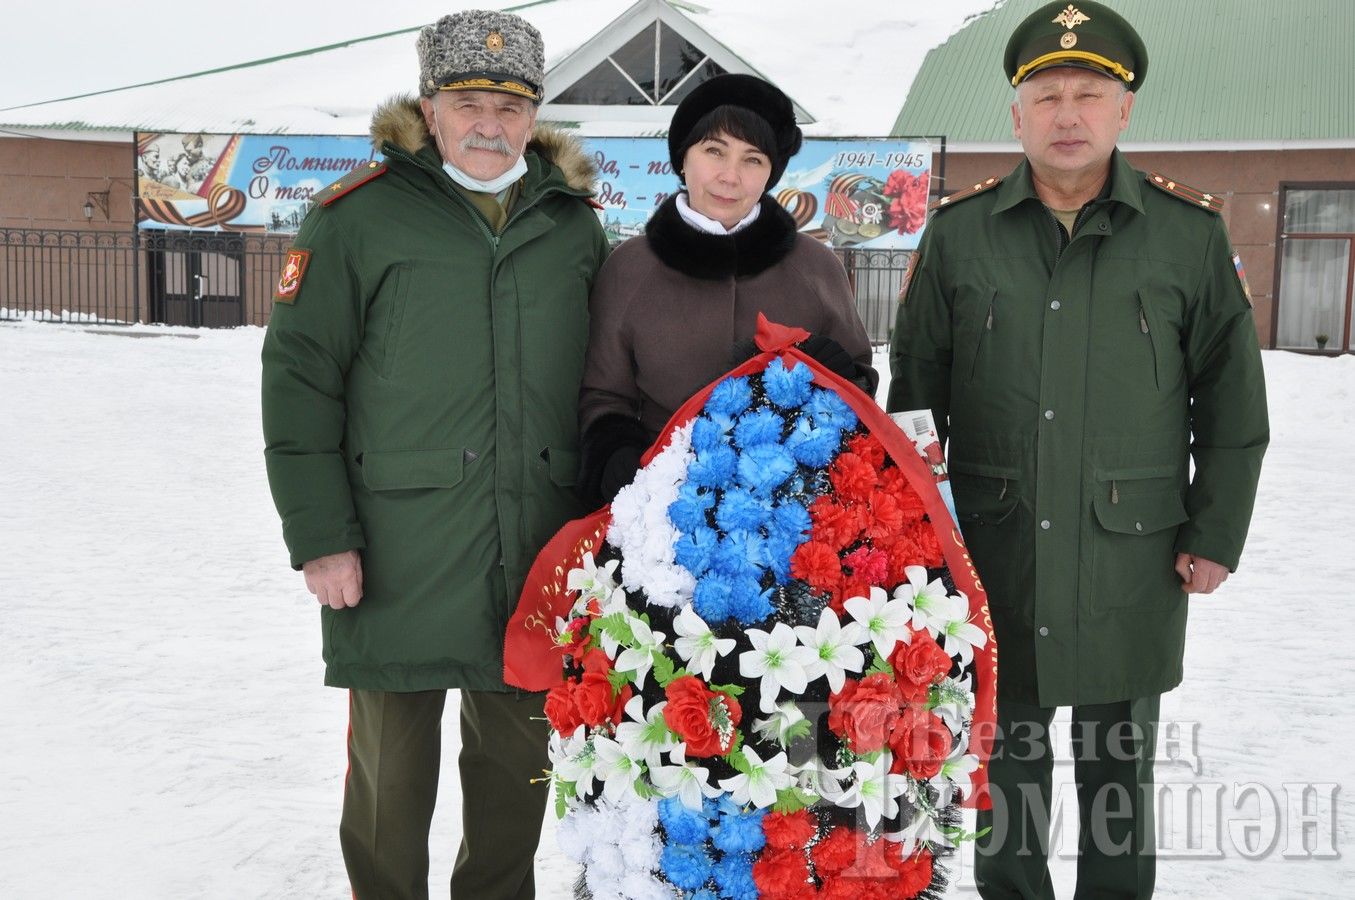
[1113,746]
[394,747]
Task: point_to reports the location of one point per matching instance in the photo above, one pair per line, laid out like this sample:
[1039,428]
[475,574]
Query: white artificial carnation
[642,531]
[643,885]
[575,833]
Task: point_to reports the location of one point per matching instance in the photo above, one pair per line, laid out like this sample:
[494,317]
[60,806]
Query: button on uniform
[1049,414]
[1044,631]
[1055,305]
[1045,524]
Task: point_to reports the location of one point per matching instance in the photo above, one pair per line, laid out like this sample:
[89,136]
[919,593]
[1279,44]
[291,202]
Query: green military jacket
[419,403]
[1076,380]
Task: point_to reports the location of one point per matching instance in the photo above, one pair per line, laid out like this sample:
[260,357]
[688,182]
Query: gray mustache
[476,142]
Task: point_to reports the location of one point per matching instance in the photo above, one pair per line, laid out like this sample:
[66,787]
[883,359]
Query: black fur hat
[753,94]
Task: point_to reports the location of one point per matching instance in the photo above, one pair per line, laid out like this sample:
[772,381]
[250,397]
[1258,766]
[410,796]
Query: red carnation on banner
[908,206]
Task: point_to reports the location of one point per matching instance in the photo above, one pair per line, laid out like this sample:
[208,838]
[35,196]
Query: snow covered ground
[164,732]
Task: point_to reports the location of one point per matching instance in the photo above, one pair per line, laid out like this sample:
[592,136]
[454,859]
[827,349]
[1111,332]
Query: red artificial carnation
[886,517]
[817,564]
[894,482]
[903,552]
[908,210]
[782,875]
[853,477]
[790,830]
[914,872]
[561,711]
[869,567]
[835,852]
[920,743]
[864,712]
[918,665]
[835,525]
[925,538]
[868,447]
[691,712]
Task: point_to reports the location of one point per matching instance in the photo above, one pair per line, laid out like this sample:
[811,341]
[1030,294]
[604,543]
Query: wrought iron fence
[876,277]
[212,279]
[68,276]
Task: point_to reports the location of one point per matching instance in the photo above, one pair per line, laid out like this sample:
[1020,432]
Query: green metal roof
[1219,70]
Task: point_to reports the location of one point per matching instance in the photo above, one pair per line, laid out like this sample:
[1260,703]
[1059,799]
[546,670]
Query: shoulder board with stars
[1194,197]
[350,182]
[965,193]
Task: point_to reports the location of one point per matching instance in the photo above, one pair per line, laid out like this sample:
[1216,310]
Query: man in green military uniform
[1080,330]
[420,379]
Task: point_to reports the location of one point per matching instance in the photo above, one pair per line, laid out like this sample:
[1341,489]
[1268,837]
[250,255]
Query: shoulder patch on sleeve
[908,274]
[965,193]
[1242,277]
[350,182]
[1193,196]
[293,269]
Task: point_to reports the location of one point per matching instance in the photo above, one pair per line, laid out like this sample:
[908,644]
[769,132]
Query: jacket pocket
[1134,539]
[394,297]
[563,465]
[986,316]
[404,470]
[988,505]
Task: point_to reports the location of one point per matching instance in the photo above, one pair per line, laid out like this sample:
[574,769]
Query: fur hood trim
[761,245]
[400,121]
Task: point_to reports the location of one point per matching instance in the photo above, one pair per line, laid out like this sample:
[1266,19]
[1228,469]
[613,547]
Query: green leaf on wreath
[618,679]
[792,799]
[732,690]
[663,668]
[796,731]
[878,665]
[615,626]
[562,791]
[737,760]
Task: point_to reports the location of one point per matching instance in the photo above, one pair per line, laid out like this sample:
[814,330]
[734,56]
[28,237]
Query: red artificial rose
[869,448]
[869,567]
[791,831]
[863,713]
[817,564]
[574,638]
[914,871]
[561,712]
[782,875]
[835,852]
[925,538]
[689,713]
[885,521]
[836,526]
[596,700]
[918,665]
[920,743]
[853,477]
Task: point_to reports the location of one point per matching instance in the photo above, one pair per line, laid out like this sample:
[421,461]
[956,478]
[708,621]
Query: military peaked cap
[1084,35]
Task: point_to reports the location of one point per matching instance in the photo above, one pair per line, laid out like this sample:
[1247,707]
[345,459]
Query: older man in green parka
[1081,332]
[420,379]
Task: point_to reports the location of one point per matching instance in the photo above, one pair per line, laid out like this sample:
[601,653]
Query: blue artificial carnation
[778,552]
[828,410]
[683,825]
[748,602]
[706,433]
[710,599]
[759,426]
[787,388]
[688,511]
[687,865]
[739,554]
[741,511]
[740,832]
[705,894]
[813,445]
[730,397]
[713,467]
[695,550]
[791,520]
[734,876]
[764,468]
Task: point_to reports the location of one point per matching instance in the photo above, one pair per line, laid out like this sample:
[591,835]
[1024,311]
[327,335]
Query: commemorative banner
[858,192]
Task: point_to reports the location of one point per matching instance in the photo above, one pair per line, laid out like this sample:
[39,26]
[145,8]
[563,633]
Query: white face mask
[470,182]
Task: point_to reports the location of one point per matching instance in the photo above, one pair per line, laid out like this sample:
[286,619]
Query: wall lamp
[96,200]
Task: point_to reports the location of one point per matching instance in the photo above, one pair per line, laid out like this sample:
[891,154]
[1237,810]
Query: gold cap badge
[1071,17]
[494,41]
[1068,41]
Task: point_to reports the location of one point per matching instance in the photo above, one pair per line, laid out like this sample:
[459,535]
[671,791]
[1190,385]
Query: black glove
[609,456]
[829,354]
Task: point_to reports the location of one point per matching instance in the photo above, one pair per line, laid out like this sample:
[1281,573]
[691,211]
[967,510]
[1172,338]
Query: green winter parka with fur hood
[419,396]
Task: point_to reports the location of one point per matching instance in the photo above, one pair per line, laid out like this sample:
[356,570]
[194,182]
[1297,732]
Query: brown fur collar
[400,121]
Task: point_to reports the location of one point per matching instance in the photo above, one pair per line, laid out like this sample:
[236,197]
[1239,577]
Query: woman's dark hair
[738,122]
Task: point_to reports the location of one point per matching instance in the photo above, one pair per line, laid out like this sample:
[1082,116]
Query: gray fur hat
[481,50]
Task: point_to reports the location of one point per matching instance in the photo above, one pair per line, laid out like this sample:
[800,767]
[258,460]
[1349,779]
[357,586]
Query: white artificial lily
[777,660]
[955,712]
[818,778]
[932,607]
[644,734]
[639,656]
[617,769]
[763,780]
[576,763]
[921,829]
[955,772]
[592,582]
[875,789]
[686,781]
[883,621]
[776,726]
[960,636]
[697,644]
[834,649]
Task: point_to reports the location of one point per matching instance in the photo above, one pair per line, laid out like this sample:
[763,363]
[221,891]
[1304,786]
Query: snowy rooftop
[848,65]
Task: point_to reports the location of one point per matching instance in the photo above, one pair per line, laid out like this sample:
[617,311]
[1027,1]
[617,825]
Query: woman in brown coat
[673,310]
